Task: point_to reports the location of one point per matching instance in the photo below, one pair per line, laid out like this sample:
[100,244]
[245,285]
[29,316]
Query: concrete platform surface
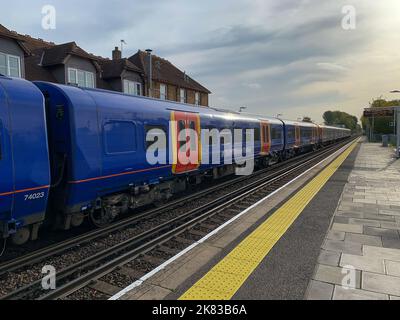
[360,257]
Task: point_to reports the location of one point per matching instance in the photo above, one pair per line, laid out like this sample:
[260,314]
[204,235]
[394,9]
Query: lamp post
[397,117]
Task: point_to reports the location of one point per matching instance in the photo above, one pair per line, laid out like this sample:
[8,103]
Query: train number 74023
[34,196]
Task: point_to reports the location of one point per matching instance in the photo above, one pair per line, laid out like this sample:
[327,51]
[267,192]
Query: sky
[295,58]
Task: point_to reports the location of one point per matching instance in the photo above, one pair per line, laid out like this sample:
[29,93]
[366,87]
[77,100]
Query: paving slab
[341,293]
[364,263]
[381,232]
[391,243]
[369,215]
[383,253]
[343,247]
[392,268]
[364,239]
[381,283]
[330,258]
[336,235]
[335,275]
[320,291]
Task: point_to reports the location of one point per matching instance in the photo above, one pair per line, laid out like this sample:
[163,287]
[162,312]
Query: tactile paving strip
[226,278]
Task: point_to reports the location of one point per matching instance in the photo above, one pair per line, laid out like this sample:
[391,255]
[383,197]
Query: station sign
[379,112]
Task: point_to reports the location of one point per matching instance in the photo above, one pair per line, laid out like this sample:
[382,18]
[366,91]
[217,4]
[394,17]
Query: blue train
[67,154]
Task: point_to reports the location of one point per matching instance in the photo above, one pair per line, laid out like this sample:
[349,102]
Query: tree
[339,118]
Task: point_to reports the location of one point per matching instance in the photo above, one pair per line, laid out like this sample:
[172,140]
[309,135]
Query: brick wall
[172,93]
[156,90]
[204,99]
[190,96]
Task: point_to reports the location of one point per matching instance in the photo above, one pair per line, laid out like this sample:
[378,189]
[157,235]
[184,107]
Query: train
[70,154]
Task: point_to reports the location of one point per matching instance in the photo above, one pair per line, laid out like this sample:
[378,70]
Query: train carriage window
[257,137]
[181,127]
[152,132]
[307,133]
[291,133]
[120,137]
[276,133]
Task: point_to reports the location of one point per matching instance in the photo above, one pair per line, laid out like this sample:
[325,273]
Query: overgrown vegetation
[341,119]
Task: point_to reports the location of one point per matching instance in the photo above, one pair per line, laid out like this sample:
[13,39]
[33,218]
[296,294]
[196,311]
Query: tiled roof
[9,34]
[164,71]
[4,32]
[56,54]
[41,54]
[34,72]
[114,68]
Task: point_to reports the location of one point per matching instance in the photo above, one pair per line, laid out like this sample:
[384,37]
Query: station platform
[299,243]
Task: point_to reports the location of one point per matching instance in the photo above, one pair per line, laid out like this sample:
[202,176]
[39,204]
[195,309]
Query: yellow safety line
[228,276]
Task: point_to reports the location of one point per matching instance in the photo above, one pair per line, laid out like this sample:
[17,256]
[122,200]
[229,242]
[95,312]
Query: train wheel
[21,236]
[77,220]
[100,218]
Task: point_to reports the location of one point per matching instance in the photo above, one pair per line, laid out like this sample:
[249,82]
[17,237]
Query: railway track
[157,242]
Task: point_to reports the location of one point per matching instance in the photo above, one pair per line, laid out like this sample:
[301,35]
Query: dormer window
[10,65]
[197,98]
[163,92]
[83,79]
[182,95]
[133,88]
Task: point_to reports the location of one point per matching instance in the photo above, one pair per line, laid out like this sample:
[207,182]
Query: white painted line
[208,236]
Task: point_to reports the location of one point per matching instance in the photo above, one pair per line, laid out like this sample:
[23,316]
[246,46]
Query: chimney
[116,54]
[150,71]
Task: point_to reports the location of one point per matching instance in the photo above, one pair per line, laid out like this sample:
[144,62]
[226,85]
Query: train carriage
[94,144]
[24,162]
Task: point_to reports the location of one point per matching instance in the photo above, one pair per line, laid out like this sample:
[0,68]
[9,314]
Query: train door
[298,136]
[187,154]
[6,170]
[265,137]
[194,135]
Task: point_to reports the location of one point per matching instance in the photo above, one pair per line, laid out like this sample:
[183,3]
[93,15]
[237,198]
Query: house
[65,63]
[168,82]
[36,59]
[12,53]
[119,74]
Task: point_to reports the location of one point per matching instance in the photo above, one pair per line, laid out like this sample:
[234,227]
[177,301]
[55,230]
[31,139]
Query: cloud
[286,56]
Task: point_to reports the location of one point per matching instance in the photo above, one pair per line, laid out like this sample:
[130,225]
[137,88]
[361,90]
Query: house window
[163,92]
[81,78]
[182,95]
[197,99]
[10,65]
[132,88]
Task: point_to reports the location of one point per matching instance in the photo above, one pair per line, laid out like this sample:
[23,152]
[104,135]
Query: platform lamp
[397,117]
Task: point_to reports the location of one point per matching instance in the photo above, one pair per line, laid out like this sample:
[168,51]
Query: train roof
[334,128]
[70,91]
[299,123]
